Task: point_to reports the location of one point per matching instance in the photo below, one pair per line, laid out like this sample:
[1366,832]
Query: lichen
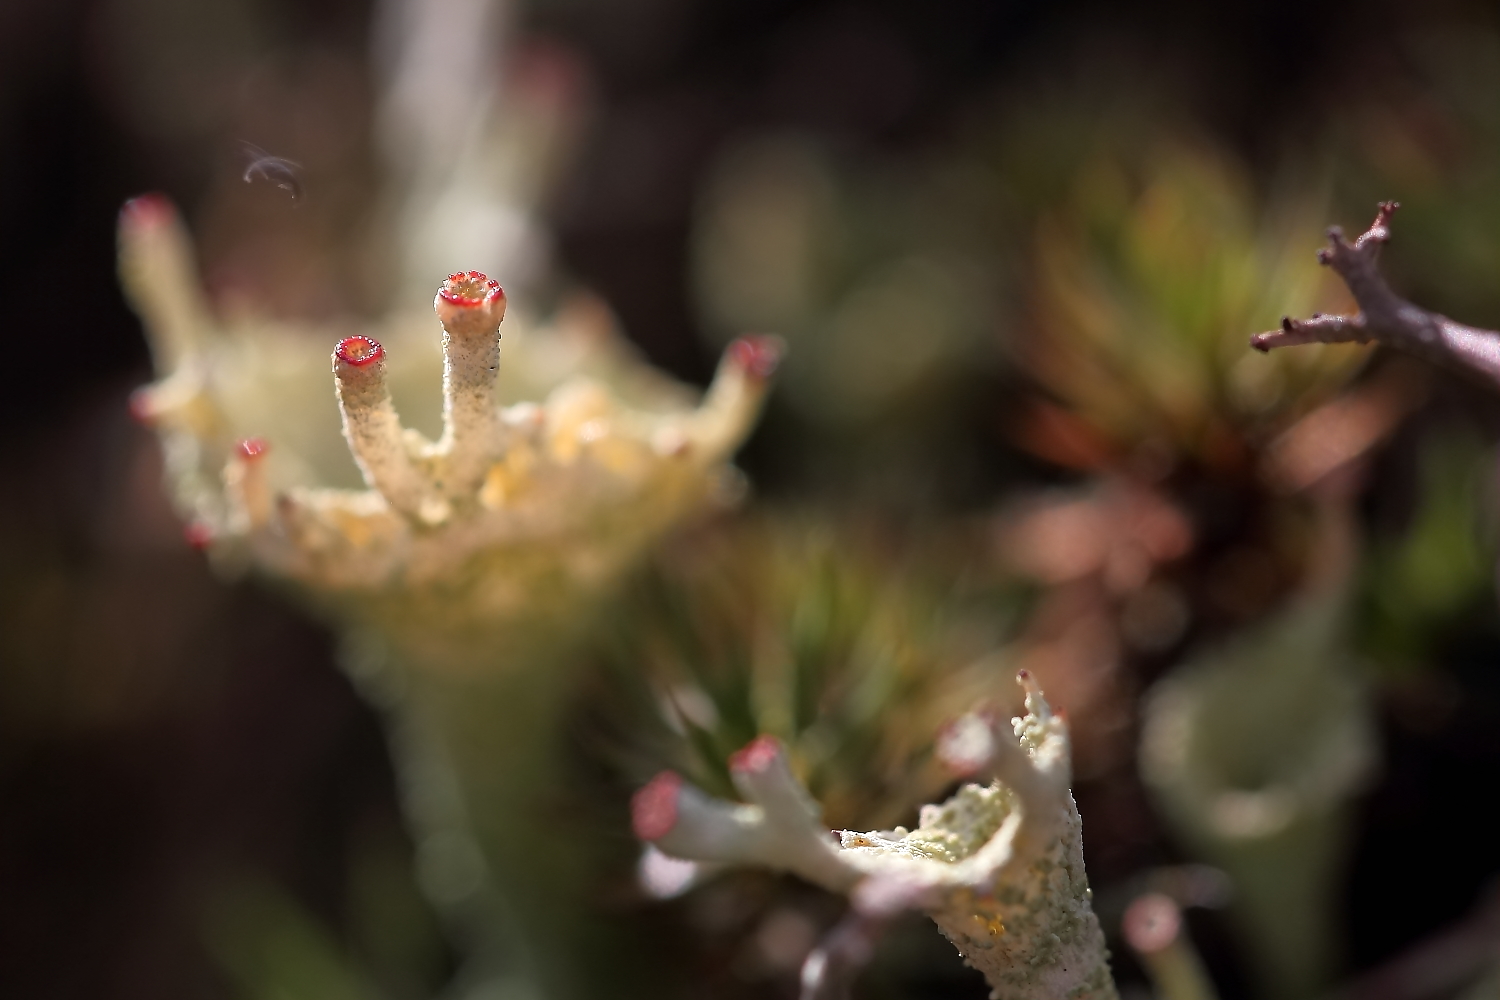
[998,866]
[555,466]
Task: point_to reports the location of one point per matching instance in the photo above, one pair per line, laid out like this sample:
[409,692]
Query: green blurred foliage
[1254,750]
[273,948]
[1430,139]
[1420,582]
[852,652]
[1146,281]
[884,273]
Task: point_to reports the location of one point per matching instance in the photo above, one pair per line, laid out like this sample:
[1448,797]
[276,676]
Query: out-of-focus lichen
[1440,566]
[456,506]
[1254,752]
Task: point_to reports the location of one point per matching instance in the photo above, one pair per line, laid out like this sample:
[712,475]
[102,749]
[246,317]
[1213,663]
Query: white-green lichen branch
[1383,316]
[998,867]
[541,497]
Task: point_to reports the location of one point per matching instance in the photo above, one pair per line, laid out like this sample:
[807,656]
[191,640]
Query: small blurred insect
[276,169]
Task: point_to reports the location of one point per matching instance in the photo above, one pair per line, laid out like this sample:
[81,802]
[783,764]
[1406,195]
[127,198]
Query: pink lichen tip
[755,756]
[966,744]
[758,355]
[1151,923]
[470,288]
[199,535]
[141,408]
[252,448]
[146,210]
[653,809]
[359,351]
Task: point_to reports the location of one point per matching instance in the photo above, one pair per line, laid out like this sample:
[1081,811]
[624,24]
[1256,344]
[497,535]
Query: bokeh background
[1016,249]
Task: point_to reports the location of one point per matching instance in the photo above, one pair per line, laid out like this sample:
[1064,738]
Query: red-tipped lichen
[758,356]
[146,210]
[755,756]
[488,484]
[359,351]
[653,809]
[199,535]
[141,407]
[252,448]
[470,288]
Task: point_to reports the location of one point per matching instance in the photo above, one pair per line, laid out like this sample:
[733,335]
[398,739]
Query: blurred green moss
[855,652]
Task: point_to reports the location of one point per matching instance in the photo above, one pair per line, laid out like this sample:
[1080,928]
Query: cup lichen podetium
[998,867]
[511,513]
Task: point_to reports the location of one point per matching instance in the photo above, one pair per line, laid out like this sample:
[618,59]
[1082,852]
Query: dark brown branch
[1383,316]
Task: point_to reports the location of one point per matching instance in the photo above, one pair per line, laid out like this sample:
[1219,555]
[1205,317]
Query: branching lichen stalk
[512,513]
[462,572]
[998,867]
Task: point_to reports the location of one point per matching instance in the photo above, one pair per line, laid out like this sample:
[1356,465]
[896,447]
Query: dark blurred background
[168,741]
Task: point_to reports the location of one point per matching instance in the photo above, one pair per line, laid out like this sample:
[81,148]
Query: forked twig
[1384,317]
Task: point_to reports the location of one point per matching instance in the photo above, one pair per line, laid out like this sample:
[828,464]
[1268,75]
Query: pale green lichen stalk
[1254,754]
[998,867]
[512,511]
